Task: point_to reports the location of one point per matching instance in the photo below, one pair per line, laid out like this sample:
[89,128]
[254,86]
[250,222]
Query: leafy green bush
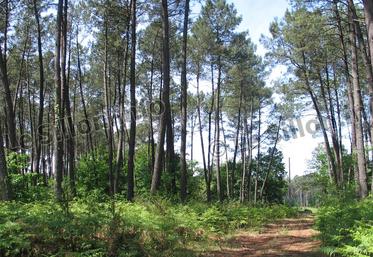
[26,187]
[346,227]
[92,174]
[13,239]
[90,227]
[215,219]
[362,245]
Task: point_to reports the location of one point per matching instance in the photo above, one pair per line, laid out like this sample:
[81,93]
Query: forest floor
[288,237]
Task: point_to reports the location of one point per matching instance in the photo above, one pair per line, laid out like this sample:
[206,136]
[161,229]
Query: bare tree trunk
[58,113]
[249,135]
[132,141]
[192,126]
[217,136]
[209,152]
[165,98]
[258,154]
[184,101]
[359,151]
[269,168]
[31,122]
[121,92]
[226,160]
[108,111]
[151,129]
[233,182]
[332,127]
[332,166]
[205,169]
[67,105]
[349,83]
[4,181]
[368,10]
[367,61]
[80,81]
[41,91]
[11,121]
[170,153]
[243,161]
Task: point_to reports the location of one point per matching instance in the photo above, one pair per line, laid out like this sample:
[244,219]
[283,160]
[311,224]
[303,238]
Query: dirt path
[288,237]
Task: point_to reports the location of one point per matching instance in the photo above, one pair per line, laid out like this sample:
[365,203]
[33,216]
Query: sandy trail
[287,237]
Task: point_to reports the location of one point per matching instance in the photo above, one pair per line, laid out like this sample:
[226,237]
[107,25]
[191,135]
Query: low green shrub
[89,227]
[347,227]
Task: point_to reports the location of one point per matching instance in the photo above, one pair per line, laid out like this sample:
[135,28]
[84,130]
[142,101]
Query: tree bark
[359,151]
[132,140]
[233,180]
[41,91]
[165,99]
[70,132]
[258,154]
[58,110]
[205,169]
[80,81]
[107,95]
[217,135]
[368,11]
[10,115]
[184,95]
[269,168]
[4,181]
[349,82]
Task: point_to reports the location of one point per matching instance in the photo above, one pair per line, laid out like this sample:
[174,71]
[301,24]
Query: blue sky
[257,15]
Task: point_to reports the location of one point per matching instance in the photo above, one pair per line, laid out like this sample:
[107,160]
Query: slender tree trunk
[217,135]
[359,151]
[332,166]
[108,110]
[368,11]
[269,168]
[249,144]
[58,110]
[258,154]
[31,122]
[10,115]
[233,180]
[226,160]
[209,152]
[170,154]
[332,128]
[4,181]
[244,169]
[151,129]
[192,127]
[121,92]
[165,98]
[366,53]
[67,105]
[81,81]
[184,100]
[132,141]
[335,128]
[349,82]
[205,169]
[41,90]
